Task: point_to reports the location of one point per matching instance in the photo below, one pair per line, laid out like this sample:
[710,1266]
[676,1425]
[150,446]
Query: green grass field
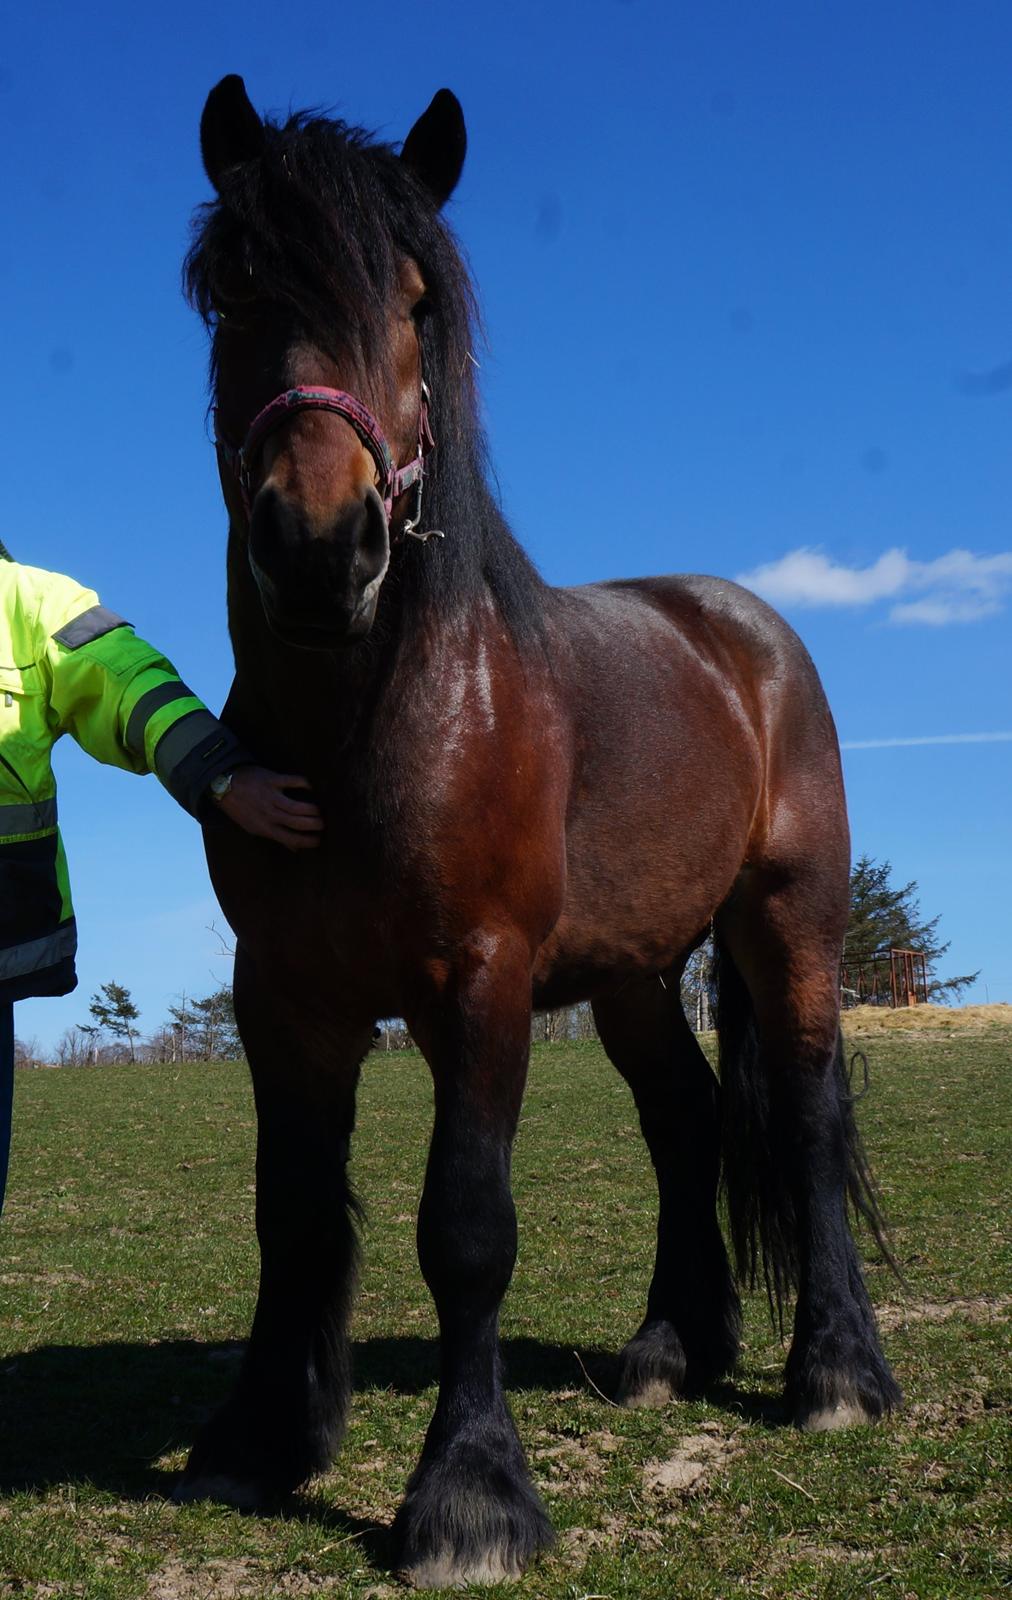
[127,1270]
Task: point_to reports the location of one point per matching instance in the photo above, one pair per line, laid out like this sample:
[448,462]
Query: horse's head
[317,269]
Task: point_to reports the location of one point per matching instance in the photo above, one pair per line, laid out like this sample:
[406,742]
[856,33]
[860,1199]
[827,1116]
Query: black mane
[319,225]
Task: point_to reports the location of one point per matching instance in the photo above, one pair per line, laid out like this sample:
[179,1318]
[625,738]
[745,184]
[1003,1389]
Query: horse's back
[702,650]
[715,618]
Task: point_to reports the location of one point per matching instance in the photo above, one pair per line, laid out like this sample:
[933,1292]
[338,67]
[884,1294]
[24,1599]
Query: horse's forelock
[320,222]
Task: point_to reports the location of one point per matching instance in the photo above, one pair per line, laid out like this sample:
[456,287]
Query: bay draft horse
[532,796]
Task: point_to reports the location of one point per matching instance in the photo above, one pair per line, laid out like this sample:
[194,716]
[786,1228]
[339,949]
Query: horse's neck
[306,709]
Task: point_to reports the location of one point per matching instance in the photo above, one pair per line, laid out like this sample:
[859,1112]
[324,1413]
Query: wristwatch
[220,786]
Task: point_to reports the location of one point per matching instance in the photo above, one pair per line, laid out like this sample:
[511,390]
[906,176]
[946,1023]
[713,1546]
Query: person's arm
[126,705]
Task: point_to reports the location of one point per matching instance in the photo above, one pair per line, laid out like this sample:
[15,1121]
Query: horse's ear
[436,146]
[230,130]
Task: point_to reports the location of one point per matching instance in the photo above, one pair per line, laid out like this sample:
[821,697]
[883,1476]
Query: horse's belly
[587,950]
[643,881]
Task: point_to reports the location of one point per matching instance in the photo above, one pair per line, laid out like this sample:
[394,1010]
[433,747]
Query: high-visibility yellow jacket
[67,665]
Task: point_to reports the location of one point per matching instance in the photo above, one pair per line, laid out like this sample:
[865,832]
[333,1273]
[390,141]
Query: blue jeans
[6,1091]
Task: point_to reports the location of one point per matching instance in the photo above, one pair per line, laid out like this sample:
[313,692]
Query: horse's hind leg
[792,1153]
[284,1419]
[690,1333]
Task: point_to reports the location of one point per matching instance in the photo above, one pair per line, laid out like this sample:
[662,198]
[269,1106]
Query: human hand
[257,803]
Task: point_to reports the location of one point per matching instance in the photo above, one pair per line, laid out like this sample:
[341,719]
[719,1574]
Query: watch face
[220,785]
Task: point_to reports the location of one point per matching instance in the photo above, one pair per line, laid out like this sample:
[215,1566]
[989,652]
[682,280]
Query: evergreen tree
[113,1008]
[884,917]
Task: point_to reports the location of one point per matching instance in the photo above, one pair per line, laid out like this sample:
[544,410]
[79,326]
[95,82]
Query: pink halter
[393,480]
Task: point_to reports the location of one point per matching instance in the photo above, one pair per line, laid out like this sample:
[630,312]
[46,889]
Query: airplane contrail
[927,738]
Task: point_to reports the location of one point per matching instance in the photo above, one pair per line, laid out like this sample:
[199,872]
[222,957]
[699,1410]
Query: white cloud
[938,613]
[956,587]
[806,577]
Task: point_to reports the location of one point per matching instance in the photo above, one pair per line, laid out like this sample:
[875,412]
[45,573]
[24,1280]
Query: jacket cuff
[194,750]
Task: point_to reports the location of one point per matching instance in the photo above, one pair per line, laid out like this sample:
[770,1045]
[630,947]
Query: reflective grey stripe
[27,819]
[162,694]
[39,953]
[217,752]
[91,624]
[177,742]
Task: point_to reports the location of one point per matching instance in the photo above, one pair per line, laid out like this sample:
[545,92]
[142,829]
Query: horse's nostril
[374,540]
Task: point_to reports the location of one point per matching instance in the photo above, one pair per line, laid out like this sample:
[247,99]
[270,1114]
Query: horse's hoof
[470,1517]
[447,1571]
[827,1419]
[653,1394]
[653,1367]
[466,1545]
[824,1398]
[241,1494]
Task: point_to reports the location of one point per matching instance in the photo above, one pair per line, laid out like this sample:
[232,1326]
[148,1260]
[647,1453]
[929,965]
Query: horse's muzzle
[318,586]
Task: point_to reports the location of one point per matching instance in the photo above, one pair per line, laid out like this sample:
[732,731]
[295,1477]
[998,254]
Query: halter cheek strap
[393,480]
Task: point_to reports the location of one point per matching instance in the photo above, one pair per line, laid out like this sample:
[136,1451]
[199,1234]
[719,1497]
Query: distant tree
[93,1034]
[884,916]
[548,1027]
[697,987]
[27,1053]
[568,1023]
[201,1030]
[180,1027]
[159,1046]
[218,1031]
[391,1034]
[112,1008]
[74,1048]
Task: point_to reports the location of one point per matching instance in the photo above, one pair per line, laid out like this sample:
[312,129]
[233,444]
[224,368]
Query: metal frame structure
[891,977]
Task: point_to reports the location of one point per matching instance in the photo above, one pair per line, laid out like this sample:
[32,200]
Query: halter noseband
[393,480]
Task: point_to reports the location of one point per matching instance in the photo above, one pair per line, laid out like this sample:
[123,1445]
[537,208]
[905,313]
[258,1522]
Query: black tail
[756,1164]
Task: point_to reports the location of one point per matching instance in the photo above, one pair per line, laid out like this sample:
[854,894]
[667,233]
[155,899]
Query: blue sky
[747,281]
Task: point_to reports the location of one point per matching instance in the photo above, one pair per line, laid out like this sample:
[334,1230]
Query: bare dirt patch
[980,1308]
[791,1549]
[685,1471]
[41,1591]
[576,1544]
[944,1417]
[571,1462]
[44,1280]
[221,1578]
[224,1580]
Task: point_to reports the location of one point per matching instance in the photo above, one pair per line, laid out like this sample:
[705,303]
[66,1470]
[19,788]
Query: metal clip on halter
[410,529]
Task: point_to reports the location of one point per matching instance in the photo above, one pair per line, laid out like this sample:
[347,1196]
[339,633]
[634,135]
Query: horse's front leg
[284,1419]
[471,1513]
